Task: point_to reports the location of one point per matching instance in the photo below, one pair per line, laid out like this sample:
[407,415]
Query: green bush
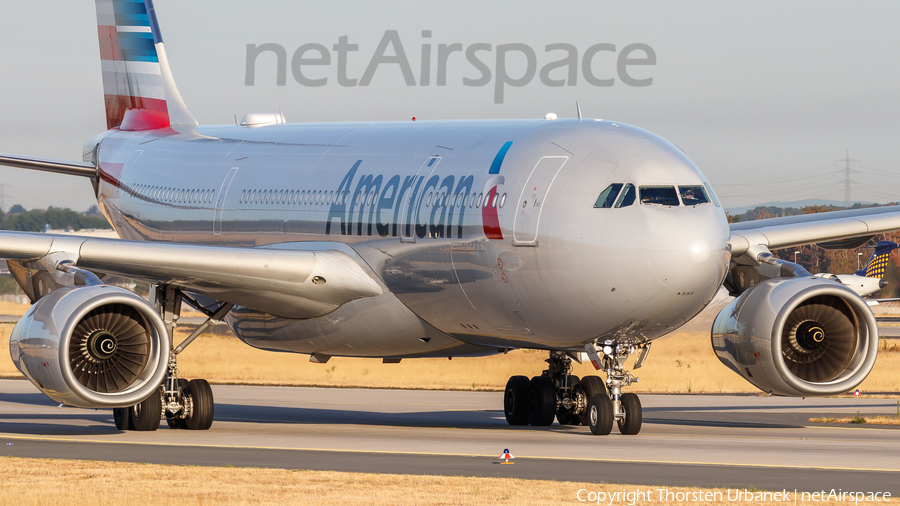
[59,219]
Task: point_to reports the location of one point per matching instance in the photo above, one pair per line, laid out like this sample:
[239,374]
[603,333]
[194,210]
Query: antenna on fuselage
[578,107]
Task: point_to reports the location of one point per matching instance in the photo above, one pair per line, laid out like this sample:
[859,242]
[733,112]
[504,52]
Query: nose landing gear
[589,401]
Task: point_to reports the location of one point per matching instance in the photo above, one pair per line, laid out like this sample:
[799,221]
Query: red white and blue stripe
[137,84]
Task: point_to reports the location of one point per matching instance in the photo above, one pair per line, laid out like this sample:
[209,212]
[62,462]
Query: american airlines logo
[558,65]
[416,206]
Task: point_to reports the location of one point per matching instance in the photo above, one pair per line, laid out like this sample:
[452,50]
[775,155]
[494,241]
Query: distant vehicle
[870,279]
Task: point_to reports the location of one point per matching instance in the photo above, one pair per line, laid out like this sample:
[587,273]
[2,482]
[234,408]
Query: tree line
[20,220]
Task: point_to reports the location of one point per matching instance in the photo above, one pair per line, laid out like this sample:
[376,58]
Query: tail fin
[877,264]
[137,82]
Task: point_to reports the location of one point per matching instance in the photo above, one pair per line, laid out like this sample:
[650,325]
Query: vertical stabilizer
[878,263]
[138,86]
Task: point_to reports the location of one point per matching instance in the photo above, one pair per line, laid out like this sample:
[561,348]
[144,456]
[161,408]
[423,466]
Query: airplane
[400,240]
[870,279]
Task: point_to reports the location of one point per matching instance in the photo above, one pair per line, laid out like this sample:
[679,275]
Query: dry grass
[860,420]
[681,363]
[75,483]
[13,309]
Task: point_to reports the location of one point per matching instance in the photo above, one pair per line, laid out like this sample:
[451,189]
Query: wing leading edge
[294,283]
[793,231]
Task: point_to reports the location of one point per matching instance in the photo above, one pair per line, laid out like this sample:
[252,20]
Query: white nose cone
[551,115]
[699,252]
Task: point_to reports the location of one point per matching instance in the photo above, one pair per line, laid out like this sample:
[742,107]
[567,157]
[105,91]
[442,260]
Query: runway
[690,440]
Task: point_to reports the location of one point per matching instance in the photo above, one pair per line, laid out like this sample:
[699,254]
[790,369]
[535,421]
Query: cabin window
[627,196]
[659,196]
[480,199]
[693,195]
[502,200]
[608,197]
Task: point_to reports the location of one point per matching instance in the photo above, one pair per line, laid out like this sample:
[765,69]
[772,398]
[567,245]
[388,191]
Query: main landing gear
[183,404]
[587,401]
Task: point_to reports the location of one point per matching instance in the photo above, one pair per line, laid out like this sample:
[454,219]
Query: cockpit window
[659,195]
[627,197]
[712,195]
[693,195]
[608,197]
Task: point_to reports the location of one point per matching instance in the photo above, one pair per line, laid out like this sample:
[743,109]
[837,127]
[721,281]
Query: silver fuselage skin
[543,269]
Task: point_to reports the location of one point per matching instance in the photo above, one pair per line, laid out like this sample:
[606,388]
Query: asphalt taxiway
[697,440]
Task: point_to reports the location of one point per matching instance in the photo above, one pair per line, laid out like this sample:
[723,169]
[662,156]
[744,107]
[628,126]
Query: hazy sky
[764,96]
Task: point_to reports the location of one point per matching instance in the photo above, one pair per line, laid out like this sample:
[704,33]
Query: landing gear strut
[624,409]
[589,401]
[183,404]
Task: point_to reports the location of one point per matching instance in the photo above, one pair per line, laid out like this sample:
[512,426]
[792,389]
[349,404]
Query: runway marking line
[425,454]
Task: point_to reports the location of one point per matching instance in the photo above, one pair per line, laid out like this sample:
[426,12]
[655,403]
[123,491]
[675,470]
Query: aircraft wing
[803,229]
[293,283]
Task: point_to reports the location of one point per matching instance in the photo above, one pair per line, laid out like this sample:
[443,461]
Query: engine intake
[798,337]
[92,347]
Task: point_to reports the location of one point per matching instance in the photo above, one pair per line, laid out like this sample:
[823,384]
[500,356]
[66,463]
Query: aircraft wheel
[541,401]
[145,415]
[633,420]
[201,394]
[589,387]
[178,423]
[515,400]
[567,418]
[122,418]
[600,415]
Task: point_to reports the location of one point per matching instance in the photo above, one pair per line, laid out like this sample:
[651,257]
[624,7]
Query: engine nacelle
[798,337]
[92,347]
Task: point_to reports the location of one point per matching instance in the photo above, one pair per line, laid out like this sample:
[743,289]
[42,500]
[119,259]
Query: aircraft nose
[689,252]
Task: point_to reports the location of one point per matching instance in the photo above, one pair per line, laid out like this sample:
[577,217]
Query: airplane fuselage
[482,232]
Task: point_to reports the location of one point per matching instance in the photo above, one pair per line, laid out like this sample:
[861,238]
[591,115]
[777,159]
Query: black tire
[122,418]
[201,394]
[600,415]
[145,415]
[541,401]
[589,387]
[178,423]
[567,418]
[634,417]
[515,400]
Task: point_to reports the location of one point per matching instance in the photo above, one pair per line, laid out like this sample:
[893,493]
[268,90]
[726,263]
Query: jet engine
[798,337]
[92,346]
